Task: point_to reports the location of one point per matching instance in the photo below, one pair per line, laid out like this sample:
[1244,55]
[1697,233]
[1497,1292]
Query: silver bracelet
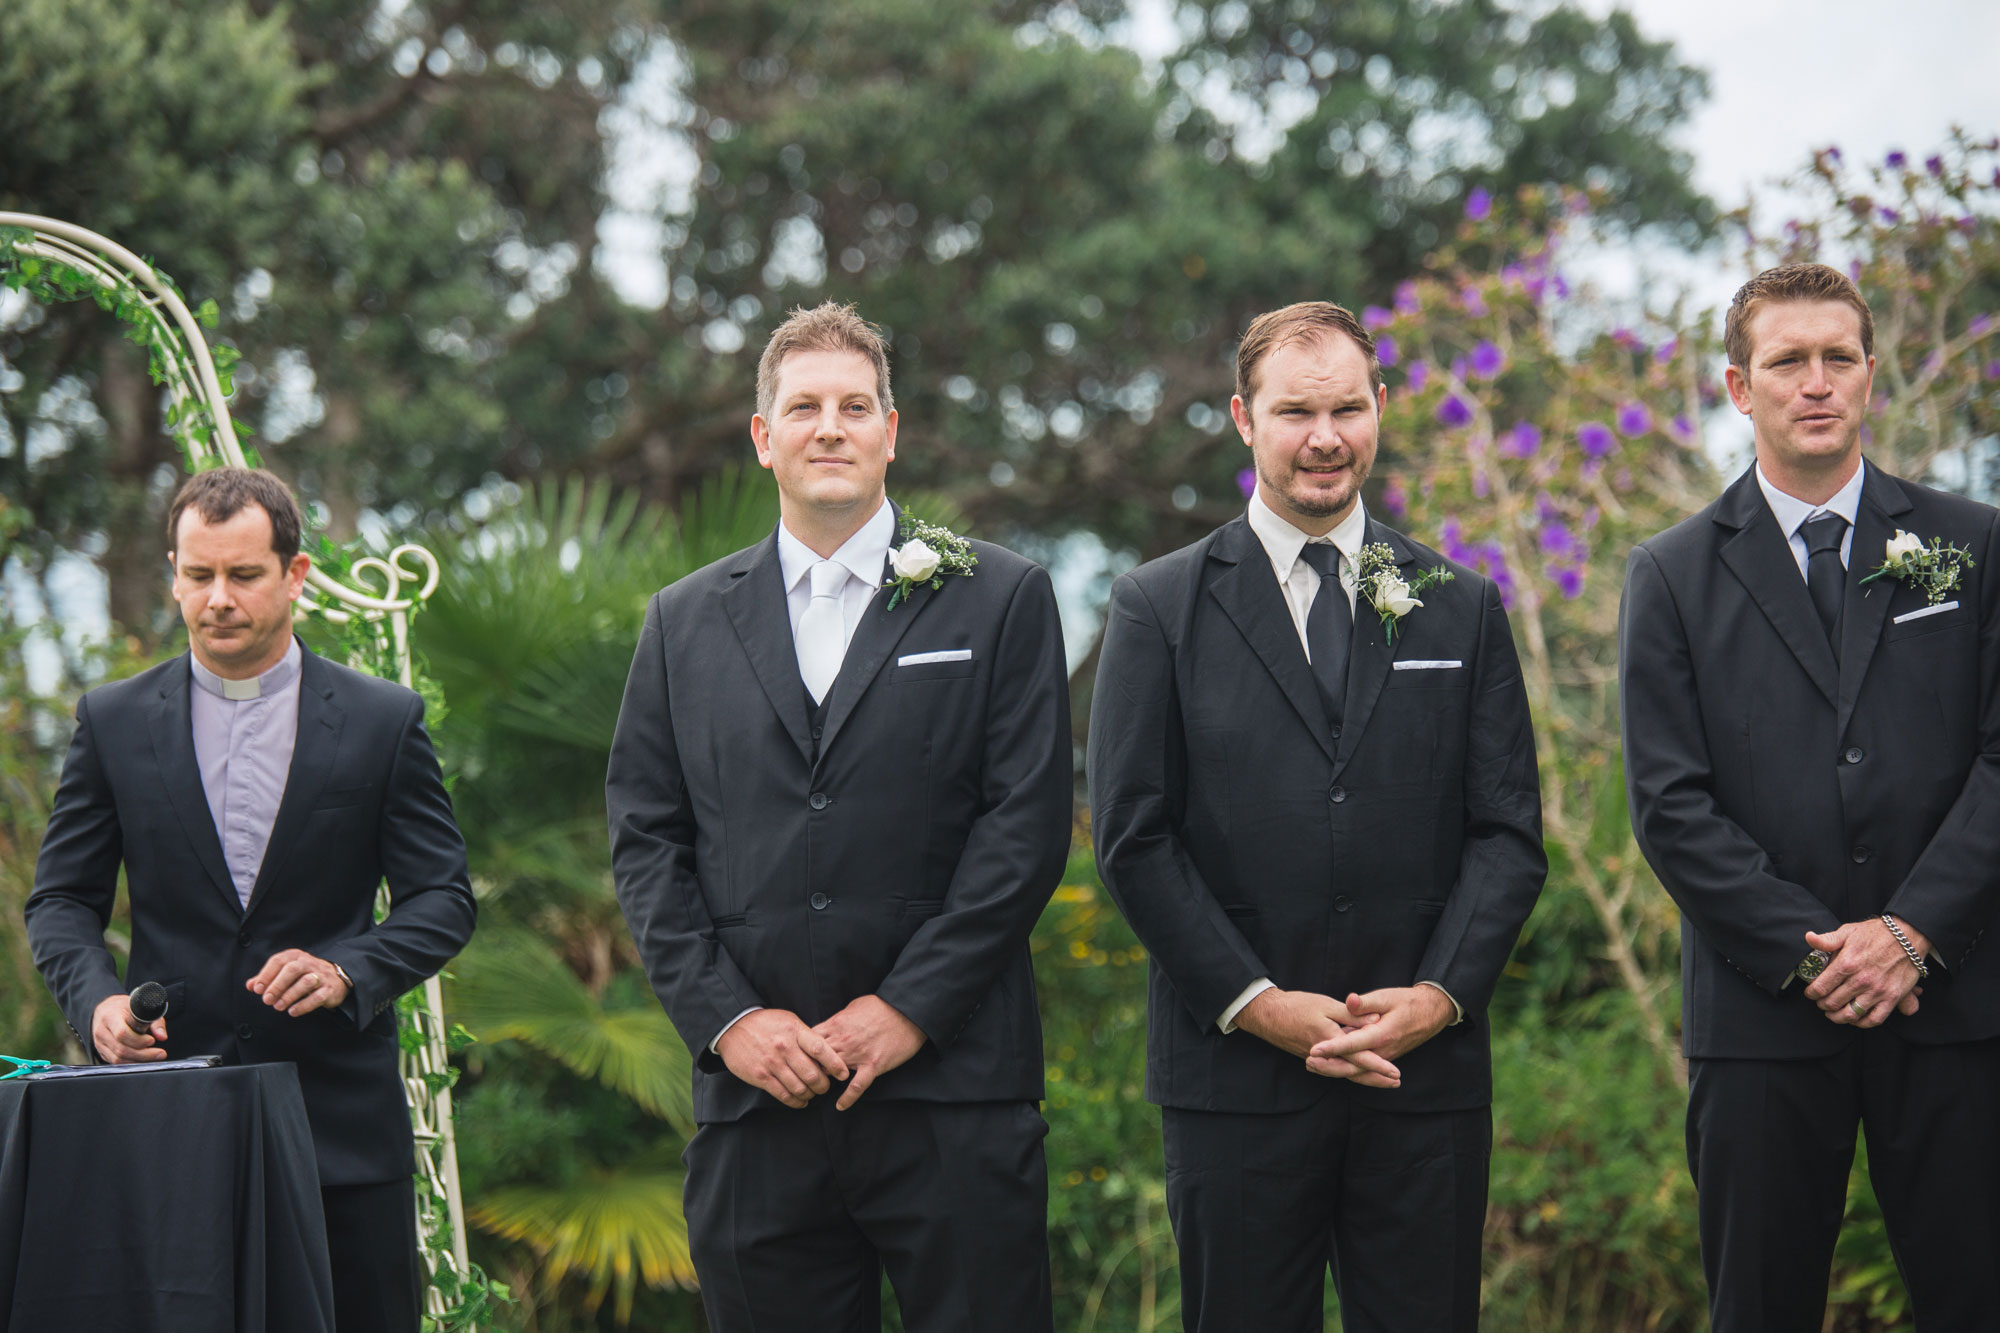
[1916,959]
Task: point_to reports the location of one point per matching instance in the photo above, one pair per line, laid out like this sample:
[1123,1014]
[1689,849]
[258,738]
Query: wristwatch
[1812,965]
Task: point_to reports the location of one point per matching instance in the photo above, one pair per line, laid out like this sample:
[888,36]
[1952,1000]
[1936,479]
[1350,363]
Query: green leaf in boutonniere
[1377,578]
[1935,569]
[924,554]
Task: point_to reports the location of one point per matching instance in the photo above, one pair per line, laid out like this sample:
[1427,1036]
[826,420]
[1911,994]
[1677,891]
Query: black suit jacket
[364,801]
[905,852]
[1242,840]
[1775,792]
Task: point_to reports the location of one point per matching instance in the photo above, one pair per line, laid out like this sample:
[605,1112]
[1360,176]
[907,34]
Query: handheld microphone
[149,1003]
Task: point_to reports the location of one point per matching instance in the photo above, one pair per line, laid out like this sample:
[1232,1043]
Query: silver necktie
[823,630]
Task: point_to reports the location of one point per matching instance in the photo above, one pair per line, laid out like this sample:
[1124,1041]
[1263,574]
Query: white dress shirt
[1792,513]
[865,557]
[1300,583]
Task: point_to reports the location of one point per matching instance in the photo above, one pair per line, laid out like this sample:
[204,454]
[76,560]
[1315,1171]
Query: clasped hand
[775,1050]
[1357,1039]
[1870,976]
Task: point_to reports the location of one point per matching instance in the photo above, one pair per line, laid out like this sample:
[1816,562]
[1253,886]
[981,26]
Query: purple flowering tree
[1538,462]
[1923,242]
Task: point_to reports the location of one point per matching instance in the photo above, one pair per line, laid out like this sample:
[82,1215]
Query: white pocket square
[944,655]
[1923,611]
[1422,664]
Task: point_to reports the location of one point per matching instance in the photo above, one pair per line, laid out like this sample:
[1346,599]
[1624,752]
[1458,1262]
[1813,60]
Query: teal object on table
[22,1067]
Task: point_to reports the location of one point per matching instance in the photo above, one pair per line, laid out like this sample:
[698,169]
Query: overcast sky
[1786,78]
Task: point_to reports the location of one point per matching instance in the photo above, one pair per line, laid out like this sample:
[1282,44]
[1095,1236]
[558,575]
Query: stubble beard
[1314,506]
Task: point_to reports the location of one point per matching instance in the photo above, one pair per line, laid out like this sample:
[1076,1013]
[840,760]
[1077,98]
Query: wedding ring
[1855,1005]
[318,980]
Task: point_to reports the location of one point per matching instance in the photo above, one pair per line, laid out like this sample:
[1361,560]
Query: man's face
[828,441]
[1806,387]
[235,594]
[1311,426]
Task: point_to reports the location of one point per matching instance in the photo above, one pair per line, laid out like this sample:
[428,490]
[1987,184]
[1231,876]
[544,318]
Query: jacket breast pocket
[1927,620]
[335,798]
[949,669]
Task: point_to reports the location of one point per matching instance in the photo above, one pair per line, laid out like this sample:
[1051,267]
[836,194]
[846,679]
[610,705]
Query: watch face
[1814,964]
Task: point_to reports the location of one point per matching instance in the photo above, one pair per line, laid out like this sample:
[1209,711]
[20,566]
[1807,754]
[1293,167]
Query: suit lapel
[1760,557]
[172,729]
[1249,595]
[1369,661]
[1866,610]
[755,602]
[321,719]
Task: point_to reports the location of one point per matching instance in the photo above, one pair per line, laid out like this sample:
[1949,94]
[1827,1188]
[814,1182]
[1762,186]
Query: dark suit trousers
[1264,1205]
[1771,1143]
[371,1243]
[793,1215]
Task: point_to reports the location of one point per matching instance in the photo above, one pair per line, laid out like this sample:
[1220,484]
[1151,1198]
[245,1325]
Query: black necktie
[1826,577]
[1329,629]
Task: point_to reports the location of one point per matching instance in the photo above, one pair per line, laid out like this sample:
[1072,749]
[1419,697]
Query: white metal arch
[407,576]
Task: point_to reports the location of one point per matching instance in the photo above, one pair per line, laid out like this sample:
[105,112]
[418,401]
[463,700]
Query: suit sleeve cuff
[717,1040]
[1227,1023]
[1457,1009]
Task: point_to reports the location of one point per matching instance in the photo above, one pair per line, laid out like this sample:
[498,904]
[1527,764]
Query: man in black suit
[257,796]
[837,809]
[1813,762]
[1327,841]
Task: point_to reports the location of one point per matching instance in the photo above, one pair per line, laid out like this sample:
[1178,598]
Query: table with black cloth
[163,1201]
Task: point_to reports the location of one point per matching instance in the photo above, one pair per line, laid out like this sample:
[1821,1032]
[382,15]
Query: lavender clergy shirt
[244,731]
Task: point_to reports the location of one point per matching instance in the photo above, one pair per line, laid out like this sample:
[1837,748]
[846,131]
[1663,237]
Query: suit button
[1335,732]
[819,800]
[242,939]
[1861,855]
[1337,795]
[1854,754]
[1342,903]
[245,1032]
[816,732]
[821,902]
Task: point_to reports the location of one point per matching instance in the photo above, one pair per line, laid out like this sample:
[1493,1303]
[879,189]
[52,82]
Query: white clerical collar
[1283,542]
[864,555]
[1790,511]
[236,691]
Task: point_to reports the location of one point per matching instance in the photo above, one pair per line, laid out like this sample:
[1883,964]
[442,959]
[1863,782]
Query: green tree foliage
[397,209]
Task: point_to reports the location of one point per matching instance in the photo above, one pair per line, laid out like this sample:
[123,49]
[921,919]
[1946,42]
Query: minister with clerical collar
[257,797]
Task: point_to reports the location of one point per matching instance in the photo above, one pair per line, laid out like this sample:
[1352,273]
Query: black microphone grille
[149,1001]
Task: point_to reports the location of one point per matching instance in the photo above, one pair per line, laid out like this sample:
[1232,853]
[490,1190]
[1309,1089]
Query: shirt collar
[863,555]
[270,682]
[1283,542]
[1790,511]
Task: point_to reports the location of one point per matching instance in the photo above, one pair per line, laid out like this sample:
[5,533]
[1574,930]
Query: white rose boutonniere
[913,561]
[1934,570]
[1377,579]
[923,555]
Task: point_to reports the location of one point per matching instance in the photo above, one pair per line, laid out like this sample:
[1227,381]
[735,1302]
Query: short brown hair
[220,494]
[1305,321]
[1790,282]
[830,326]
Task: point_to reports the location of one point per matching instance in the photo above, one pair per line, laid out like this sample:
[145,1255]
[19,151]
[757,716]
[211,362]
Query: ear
[1239,412]
[890,420]
[1381,400]
[760,435]
[295,575]
[1739,388]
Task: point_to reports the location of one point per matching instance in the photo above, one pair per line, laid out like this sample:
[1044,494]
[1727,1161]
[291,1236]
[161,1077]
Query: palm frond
[509,986]
[612,1229]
